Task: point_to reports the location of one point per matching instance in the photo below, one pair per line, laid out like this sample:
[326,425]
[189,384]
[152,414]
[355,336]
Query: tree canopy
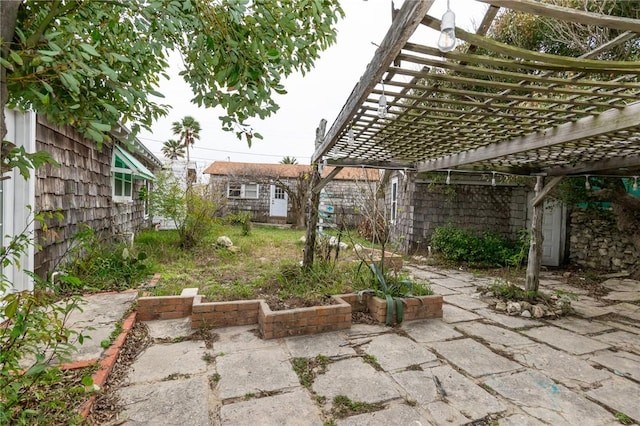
[93,64]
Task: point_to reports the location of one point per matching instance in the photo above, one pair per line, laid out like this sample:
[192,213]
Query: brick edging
[108,361]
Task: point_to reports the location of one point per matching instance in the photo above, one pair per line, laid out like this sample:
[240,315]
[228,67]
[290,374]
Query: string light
[587,185]
[635,183]
[447,40]
[448,177]
[382,104]
[351,136]
[493,178]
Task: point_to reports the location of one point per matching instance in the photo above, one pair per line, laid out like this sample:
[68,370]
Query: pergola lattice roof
[458,110]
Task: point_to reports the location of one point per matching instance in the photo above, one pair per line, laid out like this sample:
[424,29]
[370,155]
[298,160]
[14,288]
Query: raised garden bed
[288,322]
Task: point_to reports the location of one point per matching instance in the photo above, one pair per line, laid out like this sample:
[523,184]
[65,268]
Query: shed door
[279,200]
[553,231]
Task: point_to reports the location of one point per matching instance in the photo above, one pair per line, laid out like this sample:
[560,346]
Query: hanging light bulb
[635,183]
[351,136]
[493,179]
[587,185]
[448,177]
[447,40]
[382,104]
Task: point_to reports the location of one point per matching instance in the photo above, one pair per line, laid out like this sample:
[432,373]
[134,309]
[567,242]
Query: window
[279,193]
[394,199]
[245,190]
[125,169]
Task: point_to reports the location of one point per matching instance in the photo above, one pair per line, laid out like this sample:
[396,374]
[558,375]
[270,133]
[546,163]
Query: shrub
[101,265]
[488,249]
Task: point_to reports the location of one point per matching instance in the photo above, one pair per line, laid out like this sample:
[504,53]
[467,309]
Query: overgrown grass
[265,261]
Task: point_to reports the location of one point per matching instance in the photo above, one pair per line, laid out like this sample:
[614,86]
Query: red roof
[225,168]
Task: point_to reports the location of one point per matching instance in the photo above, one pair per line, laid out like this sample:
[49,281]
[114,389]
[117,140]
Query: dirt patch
[107,405]
[277,304]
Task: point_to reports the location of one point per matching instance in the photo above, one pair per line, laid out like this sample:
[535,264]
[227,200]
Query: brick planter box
[276,324]
[295,322]
[422,307]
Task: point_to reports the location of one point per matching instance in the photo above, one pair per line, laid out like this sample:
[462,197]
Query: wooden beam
[375,164]
[568,14]
[539,197]
[402,27]
[324,181]
[518,52]
[612,165]
[612,120]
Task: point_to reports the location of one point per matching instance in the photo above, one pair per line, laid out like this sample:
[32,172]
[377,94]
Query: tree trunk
[8,19]
[535,245]
[313,201]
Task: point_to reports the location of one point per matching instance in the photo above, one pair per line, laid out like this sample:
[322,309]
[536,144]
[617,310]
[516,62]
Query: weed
[623,418]
[208,358]
[372,361]
[176,376]
[308,368]
[344,407]
[215,378]
[410,402]
[249,395]
[415,367]
[329,422]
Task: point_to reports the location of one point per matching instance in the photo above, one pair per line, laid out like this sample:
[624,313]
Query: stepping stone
[251,372]
[566,340]
[508,320]
[293,408]
[474,358]
[466,302]
[163,361]
[623,296]
[567,369]
[620,395]
[582,326]
[617,284]
[553,404]
[173,402]
[453,314]
[621,363]
[520,420]
[587,308]
[170,329]
[434,330]
[628,310]
[398,414]
[450,283]
[357,380]
[464,401]
[243,338]
[394,352]
[622,340]
[498,338]
[328,344]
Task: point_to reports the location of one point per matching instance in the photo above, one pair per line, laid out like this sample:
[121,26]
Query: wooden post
[535,246]
[312,204]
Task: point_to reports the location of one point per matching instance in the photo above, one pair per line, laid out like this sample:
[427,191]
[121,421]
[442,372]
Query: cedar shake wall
[423,207]
[80,189]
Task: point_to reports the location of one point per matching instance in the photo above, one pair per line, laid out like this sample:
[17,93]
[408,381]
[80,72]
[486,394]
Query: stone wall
[79,189]
[422,207]
[596,243]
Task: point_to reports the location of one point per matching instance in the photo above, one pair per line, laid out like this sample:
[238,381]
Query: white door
[279,200]
[553,231]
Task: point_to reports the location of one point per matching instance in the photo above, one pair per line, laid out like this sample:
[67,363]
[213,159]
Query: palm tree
[189,131]
[173,149]
[289,160]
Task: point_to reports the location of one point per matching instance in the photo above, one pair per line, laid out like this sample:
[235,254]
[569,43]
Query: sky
[319,94]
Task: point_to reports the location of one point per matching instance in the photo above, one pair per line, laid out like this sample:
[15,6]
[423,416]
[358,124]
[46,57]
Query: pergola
[517,112]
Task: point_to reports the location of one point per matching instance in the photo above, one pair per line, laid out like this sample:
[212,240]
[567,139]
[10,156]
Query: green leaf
[15,57]
[8,65]
[87,381]
[11,308]
[89,49]
[100,126]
